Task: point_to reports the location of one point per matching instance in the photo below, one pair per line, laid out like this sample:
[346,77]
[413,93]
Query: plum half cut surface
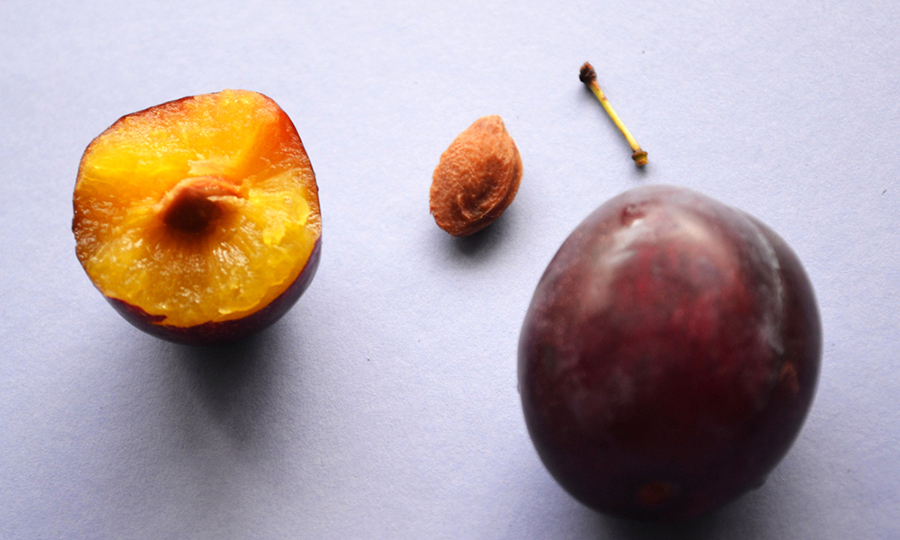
[199,219]
[669,355]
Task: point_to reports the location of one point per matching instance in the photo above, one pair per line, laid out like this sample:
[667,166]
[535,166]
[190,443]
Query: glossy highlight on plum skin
[669,355]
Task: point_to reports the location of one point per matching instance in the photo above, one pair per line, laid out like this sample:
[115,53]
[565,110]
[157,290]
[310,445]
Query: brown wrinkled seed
[476,179]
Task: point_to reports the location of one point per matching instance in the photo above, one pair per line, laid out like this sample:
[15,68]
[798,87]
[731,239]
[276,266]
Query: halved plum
[198,219]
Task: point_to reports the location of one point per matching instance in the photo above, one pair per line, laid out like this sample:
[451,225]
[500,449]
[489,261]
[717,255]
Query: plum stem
[589,77]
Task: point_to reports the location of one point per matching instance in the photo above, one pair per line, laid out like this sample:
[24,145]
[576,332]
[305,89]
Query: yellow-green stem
[589,77]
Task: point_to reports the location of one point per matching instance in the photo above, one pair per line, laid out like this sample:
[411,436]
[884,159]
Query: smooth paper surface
[384,405]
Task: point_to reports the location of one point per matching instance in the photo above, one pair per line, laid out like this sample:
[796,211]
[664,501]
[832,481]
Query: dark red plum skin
[218,333]
[669,355]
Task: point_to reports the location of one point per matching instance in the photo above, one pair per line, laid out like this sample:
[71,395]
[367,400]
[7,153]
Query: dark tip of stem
[587,73]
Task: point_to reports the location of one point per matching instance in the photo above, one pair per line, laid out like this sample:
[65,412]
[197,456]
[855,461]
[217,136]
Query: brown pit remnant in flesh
[476,179]
[194,204]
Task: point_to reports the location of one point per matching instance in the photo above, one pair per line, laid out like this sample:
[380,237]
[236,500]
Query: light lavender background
[384,405]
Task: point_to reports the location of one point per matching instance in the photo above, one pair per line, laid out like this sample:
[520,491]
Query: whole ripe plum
[669,356]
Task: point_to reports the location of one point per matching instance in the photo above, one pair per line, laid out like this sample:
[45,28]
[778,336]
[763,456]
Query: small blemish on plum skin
[656,493]
[549,358]
[630,214]
[788,378]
